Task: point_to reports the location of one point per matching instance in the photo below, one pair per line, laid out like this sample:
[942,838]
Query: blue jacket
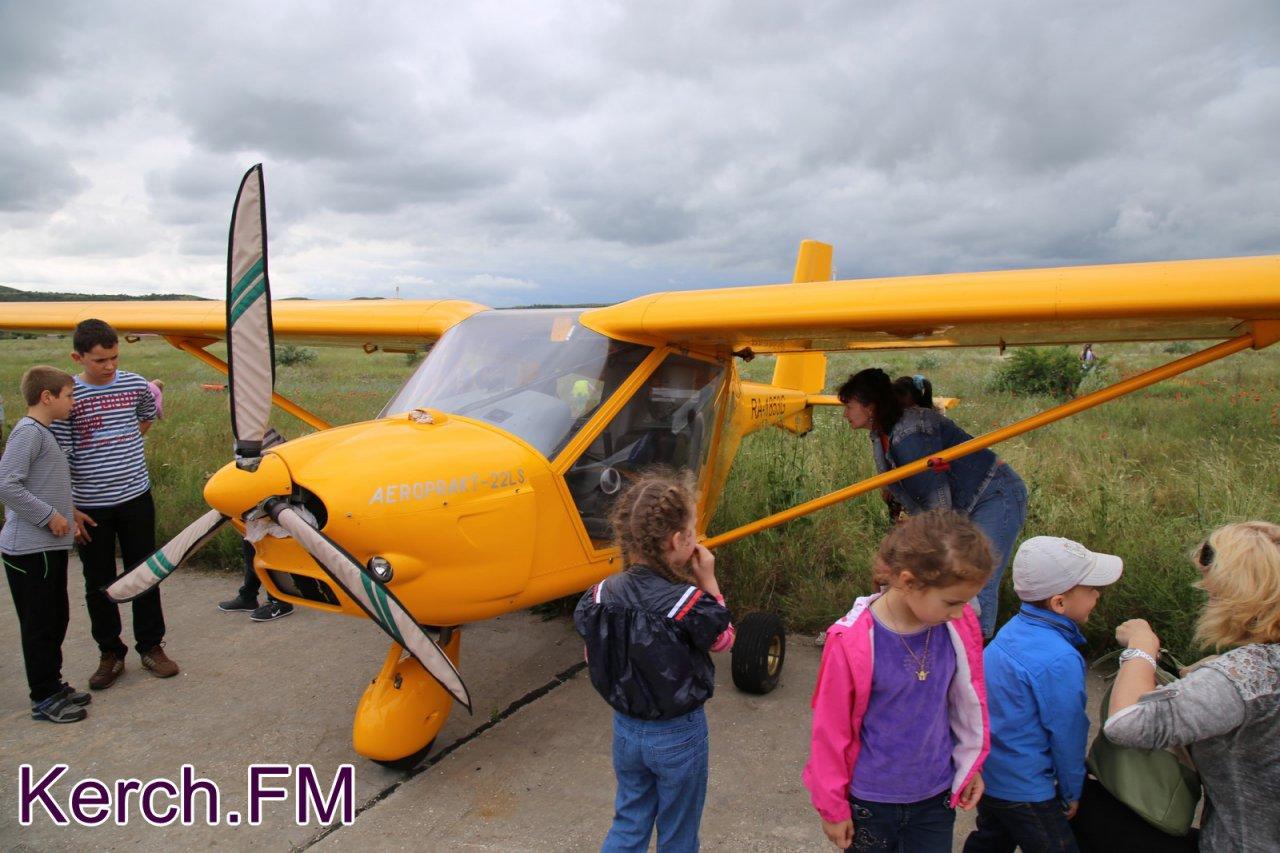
[919,434]
[647,640]
[1036,697]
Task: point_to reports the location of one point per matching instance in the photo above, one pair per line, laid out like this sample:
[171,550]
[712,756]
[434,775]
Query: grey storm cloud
[34,178]
[593,151]
[32,44]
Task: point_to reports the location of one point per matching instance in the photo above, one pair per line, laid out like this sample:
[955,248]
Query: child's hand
[972,792]
[703,563]
[58,524]
[1137,634]
[1072,808]
[839,834]
[83,523]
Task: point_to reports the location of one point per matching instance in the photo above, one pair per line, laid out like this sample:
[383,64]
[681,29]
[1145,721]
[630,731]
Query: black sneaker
[272,610]
[239,604]
[75,697]
[58,709]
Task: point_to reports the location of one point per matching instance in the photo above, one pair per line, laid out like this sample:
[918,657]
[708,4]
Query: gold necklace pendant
[920,660]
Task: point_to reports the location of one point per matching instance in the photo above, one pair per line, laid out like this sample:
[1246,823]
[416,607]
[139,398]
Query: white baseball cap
[1046,566]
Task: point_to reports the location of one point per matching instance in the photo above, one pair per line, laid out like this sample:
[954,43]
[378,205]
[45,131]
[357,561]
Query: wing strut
[314,421]
[1256,339]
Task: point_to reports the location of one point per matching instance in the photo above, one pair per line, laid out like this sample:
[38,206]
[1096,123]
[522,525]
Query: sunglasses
[1204,557]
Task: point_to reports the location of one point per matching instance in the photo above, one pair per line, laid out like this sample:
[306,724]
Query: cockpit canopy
[541,376]
[536,373]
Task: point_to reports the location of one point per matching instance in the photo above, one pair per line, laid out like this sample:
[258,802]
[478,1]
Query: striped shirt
[103,442]
[35,482]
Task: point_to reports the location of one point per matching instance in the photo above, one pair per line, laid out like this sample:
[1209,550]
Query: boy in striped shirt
[112,492]
[35,488]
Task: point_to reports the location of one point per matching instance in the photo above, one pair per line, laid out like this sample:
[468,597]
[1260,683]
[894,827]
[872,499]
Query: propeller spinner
[251,379]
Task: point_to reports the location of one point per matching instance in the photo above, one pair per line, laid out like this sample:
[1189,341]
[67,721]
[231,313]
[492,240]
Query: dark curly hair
[873,389]
[940,547]
[914,391]
[657,504]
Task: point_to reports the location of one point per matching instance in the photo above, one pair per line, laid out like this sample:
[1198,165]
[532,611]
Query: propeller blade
[374,598]
[251,370]
[161,564]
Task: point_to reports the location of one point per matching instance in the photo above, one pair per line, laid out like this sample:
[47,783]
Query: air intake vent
[301,586]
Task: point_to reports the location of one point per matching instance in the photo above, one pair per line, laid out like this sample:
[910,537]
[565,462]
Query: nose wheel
[404,708]
[758,653]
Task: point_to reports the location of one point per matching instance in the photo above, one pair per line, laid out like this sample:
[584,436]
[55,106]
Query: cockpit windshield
[536,373]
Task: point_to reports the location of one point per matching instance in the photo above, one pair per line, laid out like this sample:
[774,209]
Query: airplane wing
[1211,299]
[387,323]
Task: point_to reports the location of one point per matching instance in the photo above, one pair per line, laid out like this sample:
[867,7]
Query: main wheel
[758,653]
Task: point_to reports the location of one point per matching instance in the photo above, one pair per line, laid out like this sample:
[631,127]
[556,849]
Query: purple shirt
[906,734]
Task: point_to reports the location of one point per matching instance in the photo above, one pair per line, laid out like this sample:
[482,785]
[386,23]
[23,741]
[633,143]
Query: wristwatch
[1131,654]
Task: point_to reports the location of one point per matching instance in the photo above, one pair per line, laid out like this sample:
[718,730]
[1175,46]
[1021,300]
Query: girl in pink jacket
[900,710]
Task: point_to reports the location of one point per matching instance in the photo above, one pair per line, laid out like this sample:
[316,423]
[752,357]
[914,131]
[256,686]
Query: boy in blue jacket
[1036,698]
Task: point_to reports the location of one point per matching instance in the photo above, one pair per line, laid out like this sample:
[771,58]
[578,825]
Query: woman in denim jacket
[979,485]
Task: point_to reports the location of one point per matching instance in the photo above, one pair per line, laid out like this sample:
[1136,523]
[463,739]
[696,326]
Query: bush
[289,355]
[1180,348]
[1095,378]
[928,362]
[1050,371]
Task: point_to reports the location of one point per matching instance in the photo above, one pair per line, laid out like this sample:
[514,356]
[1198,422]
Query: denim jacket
[919,434]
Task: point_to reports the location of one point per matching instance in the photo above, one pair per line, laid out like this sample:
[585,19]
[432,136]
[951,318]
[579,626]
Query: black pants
[1030,827]
[39,586]
[1104,824]
[251,583]
[133,523]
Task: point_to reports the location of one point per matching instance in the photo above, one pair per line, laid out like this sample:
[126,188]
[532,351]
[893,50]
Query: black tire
[407,763]
[759,652]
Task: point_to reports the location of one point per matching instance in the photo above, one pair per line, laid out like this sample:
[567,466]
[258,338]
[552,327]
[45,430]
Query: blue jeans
[661,768]
[1033,827]
[1000,512]
[923,827]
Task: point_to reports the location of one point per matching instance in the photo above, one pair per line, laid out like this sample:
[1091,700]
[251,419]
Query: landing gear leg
[404,708]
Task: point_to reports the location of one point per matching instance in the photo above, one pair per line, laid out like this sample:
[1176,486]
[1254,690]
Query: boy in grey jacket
[35,488]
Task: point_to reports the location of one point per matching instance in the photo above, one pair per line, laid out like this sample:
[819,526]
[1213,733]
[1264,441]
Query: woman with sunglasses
[1227,710]
[979,486]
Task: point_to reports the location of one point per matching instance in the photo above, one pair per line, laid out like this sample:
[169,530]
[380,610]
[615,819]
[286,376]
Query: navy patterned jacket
[648,641]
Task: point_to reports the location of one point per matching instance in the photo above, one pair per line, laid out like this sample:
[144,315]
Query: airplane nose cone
[233,491]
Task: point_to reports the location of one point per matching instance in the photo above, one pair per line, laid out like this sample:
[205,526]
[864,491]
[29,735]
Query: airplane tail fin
[805,371]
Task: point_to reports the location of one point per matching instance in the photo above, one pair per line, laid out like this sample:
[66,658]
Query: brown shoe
[110,666]
[159,664]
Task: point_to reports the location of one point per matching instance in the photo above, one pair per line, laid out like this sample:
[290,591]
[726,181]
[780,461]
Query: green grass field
[1145,477]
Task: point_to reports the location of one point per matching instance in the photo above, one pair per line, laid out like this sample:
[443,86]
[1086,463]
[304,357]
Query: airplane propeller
[251,379]
[251,361]
[159,565]
[375,599]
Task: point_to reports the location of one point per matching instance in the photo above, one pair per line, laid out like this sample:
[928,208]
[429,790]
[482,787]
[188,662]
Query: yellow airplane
[485,483]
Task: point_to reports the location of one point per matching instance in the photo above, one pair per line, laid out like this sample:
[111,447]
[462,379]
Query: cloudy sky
[515,153]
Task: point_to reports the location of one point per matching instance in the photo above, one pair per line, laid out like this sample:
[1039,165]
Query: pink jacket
[844,689]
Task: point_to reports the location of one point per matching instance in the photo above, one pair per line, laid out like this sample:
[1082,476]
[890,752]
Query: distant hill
[12,294]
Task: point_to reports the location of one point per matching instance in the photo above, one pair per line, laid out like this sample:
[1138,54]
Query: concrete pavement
[529,771]
[278,692]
